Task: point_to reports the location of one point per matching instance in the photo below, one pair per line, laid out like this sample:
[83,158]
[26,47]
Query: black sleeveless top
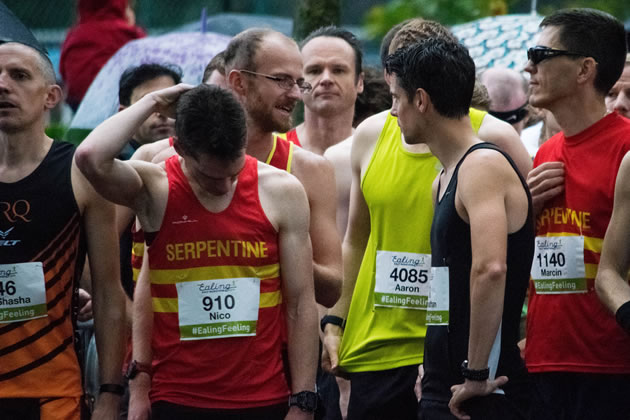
[40,221]
[446,347]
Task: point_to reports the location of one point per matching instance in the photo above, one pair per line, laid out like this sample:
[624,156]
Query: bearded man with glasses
[264,70]
[578,356]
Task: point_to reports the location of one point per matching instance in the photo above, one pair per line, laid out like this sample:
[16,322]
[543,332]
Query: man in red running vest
[227,261]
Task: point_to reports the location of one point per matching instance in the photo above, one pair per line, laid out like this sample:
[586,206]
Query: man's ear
[422,100]
[237,83]
[360,80]
[54,94]
[176,145]
[587,70]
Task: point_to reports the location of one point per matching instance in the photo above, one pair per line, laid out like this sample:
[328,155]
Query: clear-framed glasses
[539,53]
[285,82]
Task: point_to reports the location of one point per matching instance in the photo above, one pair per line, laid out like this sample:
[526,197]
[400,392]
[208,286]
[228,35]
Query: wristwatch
[305,400]
[331,319]
[473,374]
[136,367]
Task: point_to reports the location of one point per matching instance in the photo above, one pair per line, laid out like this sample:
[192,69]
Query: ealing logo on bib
[217,288]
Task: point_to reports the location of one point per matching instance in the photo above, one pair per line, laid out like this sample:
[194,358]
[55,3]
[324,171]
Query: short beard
[265,121]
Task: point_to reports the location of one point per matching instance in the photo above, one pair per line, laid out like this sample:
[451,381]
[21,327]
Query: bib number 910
[218,303]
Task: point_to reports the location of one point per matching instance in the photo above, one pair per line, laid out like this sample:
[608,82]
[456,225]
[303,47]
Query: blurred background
[497,32]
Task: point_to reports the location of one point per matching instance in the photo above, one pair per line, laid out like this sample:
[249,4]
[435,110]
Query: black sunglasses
[513,116]
[538,54]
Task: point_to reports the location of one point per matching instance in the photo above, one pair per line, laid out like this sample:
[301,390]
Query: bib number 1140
[551,260]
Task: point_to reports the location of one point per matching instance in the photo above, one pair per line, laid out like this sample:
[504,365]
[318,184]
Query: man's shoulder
[339,151]
[307,160]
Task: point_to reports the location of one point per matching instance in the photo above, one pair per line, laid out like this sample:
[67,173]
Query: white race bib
[402,279]
[438,307]
[218,308]
[558,265]
[22,292]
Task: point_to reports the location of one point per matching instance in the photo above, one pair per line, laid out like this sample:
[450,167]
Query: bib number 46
[7,287]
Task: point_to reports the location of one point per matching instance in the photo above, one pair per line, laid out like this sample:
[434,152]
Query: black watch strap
[332,319]
[474,374]
[305,401]
[112,388]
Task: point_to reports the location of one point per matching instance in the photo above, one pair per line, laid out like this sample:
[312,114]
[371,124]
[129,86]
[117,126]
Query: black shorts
[383,395]
[162,410]
[583,396]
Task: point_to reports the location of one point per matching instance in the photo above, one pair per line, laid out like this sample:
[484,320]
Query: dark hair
[596,34]
[335,32]
[374,98]
[217,63]
[137,75]
[387,40]
[442,68]
[209,120]
[241,51]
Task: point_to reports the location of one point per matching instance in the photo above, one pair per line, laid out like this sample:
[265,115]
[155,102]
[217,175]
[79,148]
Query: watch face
[306,400]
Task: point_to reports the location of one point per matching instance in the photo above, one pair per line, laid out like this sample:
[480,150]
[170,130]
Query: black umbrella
[13,30]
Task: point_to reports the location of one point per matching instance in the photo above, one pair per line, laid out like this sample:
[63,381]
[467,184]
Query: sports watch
[305,400]
[473,374]
[136,367]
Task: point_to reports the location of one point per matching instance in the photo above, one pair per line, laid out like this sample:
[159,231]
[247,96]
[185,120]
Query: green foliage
[380,18]
[313,14]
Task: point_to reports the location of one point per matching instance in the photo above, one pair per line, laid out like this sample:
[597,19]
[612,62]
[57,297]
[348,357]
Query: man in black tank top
[481,240]
[49,217]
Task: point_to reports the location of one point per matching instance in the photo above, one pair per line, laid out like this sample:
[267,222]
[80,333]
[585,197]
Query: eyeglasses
[285,82]
[538,53]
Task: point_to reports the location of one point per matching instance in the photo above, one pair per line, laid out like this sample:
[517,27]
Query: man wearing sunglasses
[264,70]
[578,356]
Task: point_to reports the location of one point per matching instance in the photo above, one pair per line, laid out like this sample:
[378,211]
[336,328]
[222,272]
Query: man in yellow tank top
[383,299]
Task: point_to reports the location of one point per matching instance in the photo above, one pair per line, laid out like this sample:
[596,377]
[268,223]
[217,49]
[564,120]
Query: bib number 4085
[409,275]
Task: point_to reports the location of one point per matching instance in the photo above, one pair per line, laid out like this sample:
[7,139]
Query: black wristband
[331,319]
[474,374]
[623,316]
[112,388]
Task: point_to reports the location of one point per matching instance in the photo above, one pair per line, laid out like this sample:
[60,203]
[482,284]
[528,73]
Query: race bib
[558,266]
[438,306]
[218,308]
[22,292]
[402,279]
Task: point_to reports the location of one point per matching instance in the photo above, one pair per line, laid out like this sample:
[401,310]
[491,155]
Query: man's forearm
[352,257]
[612,289]
[302,345]
[109,325]
[107,140]
[328,284]
[486,309]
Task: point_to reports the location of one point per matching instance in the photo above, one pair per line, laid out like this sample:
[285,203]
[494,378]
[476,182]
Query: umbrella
[234,23]
[13,30]
[499,40]
[190,51]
